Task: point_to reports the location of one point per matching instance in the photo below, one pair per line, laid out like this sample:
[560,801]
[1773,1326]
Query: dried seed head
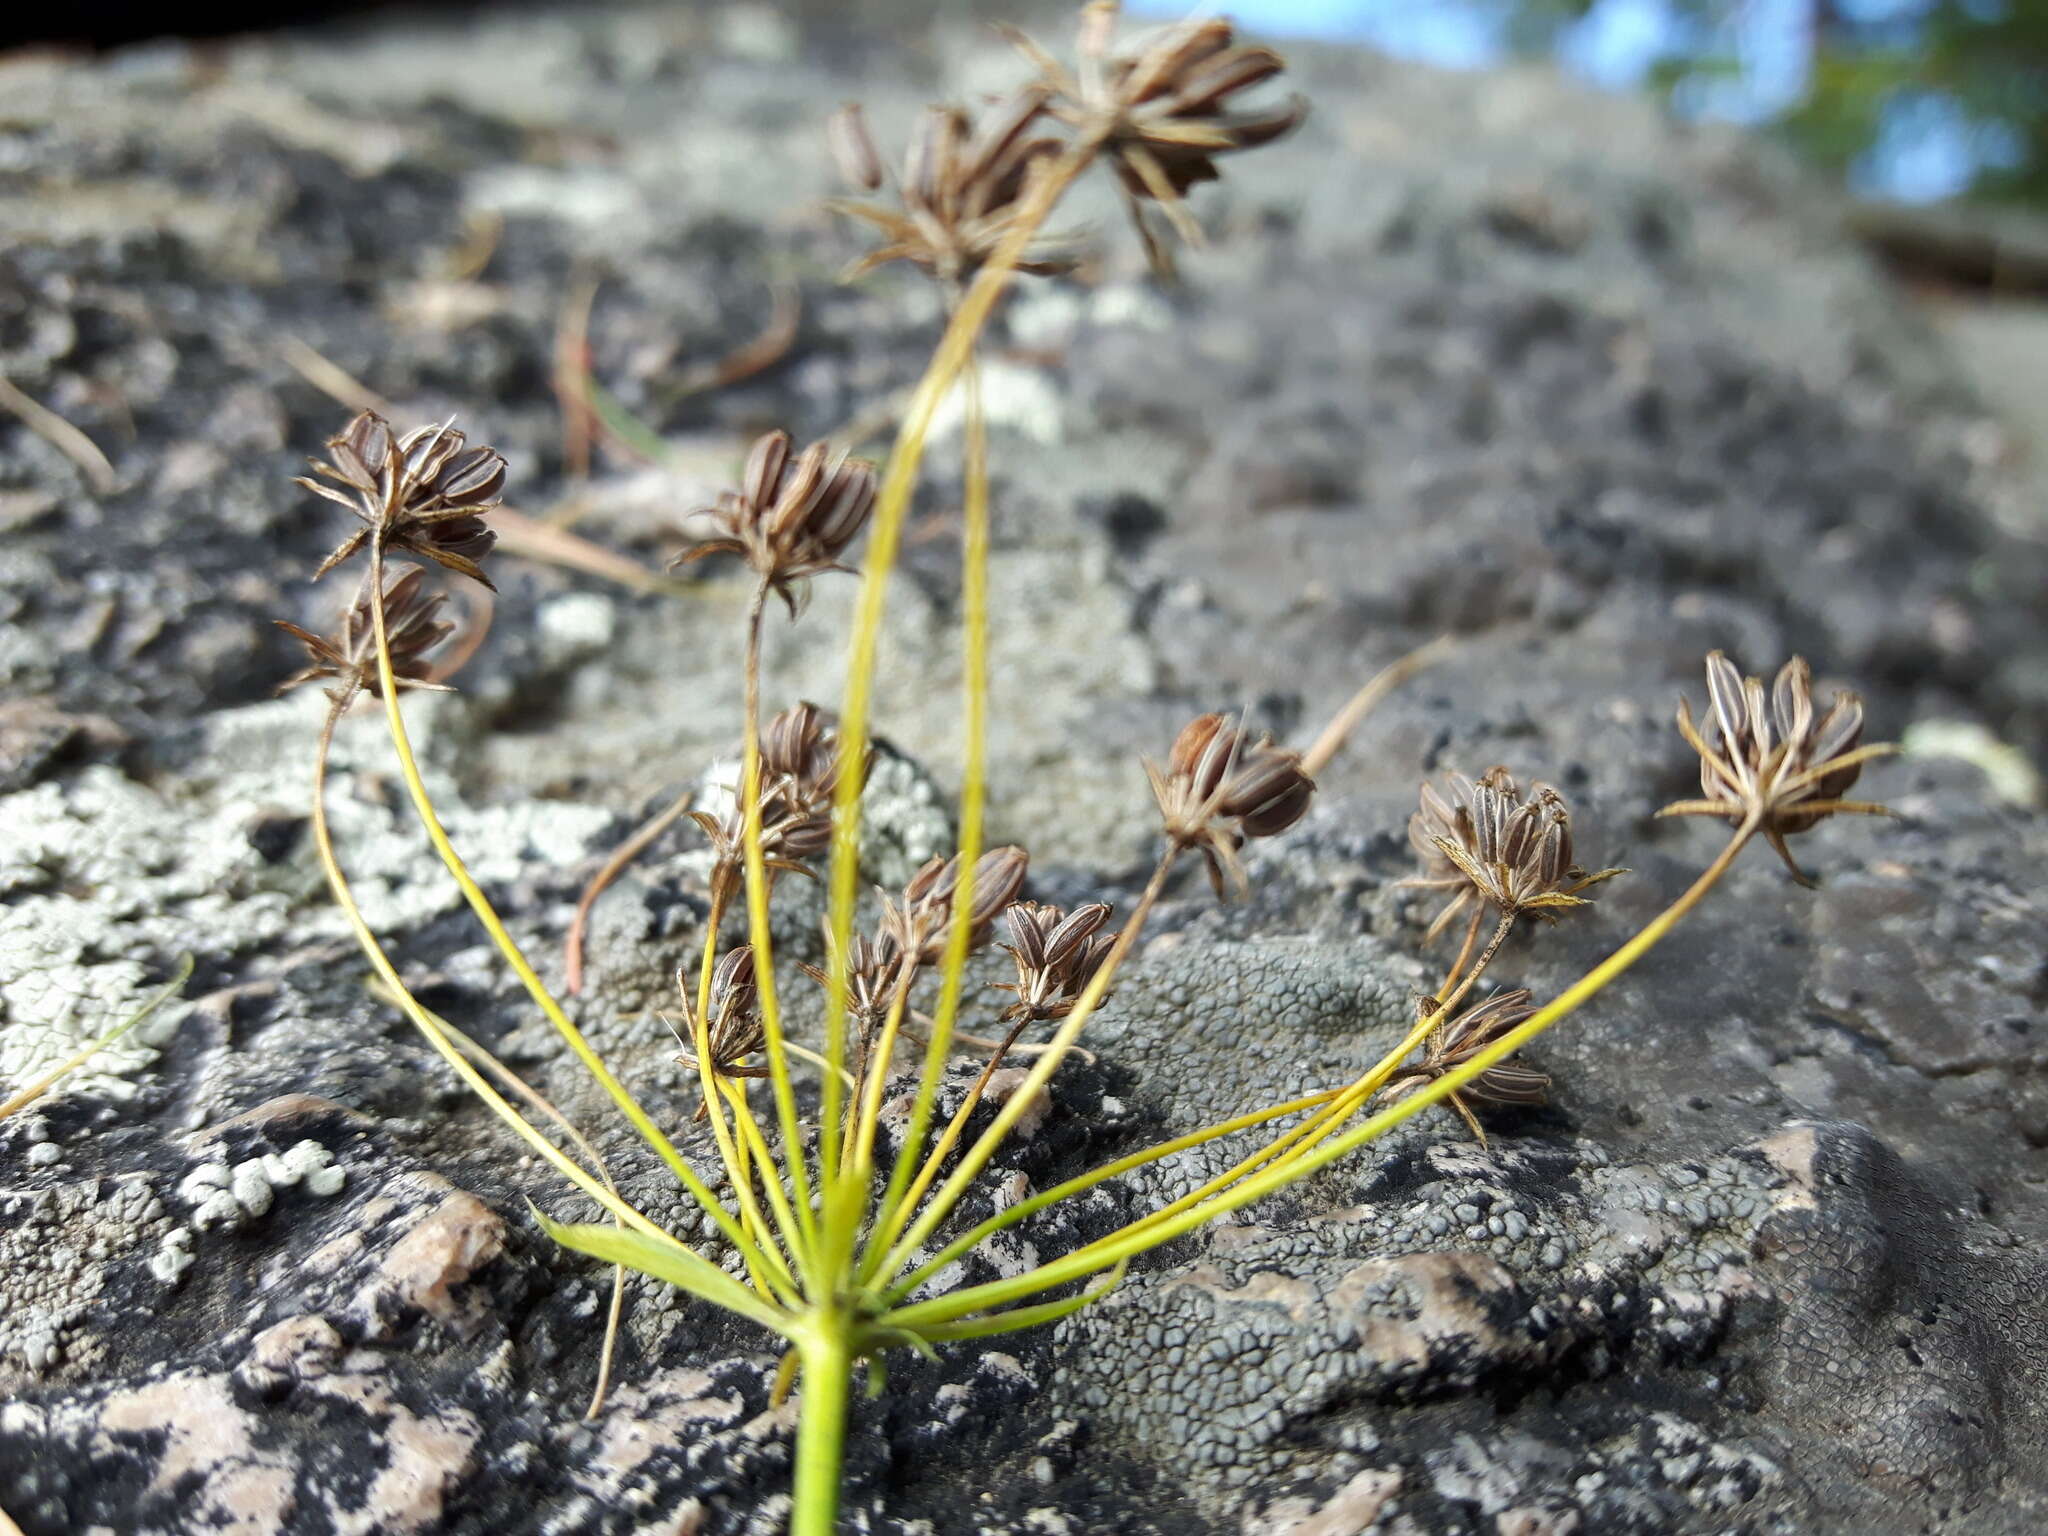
[413,626]
[918,925]
[800,766]
[1493,847]
[1163,111]
[791,519]
[421,492]
[874,968]
[1057,955]
[735,1031]
[960,190]
[1460,1039]
[1776,761]
[1221,787]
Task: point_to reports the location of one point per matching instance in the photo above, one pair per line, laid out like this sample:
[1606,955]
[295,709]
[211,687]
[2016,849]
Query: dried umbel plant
[1162,113]
[1457,1041]
[841,1238]
[962,188]
[791,518]
[423,492]
[412,617]
[1778,762]
[1221,787]
[793,803]
[1057,954]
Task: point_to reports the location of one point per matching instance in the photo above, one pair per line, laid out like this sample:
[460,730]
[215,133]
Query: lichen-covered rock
[1593,392]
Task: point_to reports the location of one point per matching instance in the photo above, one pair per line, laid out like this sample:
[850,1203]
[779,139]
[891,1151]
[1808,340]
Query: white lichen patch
[108,881]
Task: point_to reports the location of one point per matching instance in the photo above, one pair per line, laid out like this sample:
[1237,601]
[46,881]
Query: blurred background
[1909,101]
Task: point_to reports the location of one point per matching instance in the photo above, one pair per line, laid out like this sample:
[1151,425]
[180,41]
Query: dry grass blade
[331,379]
[1363,702]
[64,437]
[16,1103]
[530,538]
[762,352]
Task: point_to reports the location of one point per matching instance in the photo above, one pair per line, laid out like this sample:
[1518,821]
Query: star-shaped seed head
[413,625]
[1221,787]
[960,190]
[422,492]
[1492,846]
[791,518]
[1773,760]
[1162,111]
[1457,1041]
[1057,954]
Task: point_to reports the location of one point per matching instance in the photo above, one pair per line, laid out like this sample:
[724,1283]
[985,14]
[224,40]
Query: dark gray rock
[1478,354]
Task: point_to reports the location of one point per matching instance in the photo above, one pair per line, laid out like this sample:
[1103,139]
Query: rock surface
[1479,354]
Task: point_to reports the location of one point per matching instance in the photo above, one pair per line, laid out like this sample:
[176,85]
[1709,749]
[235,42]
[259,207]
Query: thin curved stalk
[892,504]
[973,797]
[494,926]
[694,1272]
[804,1239]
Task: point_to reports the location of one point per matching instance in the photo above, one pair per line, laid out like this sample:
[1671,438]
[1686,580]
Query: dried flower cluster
[1159,115]
[422,492]
[791,519]
[1778,762]
[414,626]
[842,1238]
[1221,787]
[961,190]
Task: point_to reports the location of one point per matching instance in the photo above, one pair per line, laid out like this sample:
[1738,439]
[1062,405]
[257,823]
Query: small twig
[1389,677]
[64,437]
[764,351]
[327,376]
[533,539]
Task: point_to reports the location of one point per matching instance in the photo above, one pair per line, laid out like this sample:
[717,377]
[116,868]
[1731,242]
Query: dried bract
[799,778]
[791,519]
[1057,954]
[1776,761]
[1462,1038]
[1221,787]
[1494,847]
[917,925]
[735,1031]
[960,190]
[422,492]
[413,626]
[1162,112]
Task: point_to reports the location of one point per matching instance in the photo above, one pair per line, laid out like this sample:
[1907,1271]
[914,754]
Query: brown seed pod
[1457,1041]
[960,189]
[735,1031]
[422,492]
[1221,786]
[1494,847]
[917,924]
[1162,112]
[1776,761]
[1057,955]
[799,778]
[413,626]
[790,519]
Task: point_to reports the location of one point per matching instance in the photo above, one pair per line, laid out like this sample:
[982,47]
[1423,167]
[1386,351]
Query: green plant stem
[826,1350]
[32,1091]
[691,1271]
[1120,1248]
[973,796]
[892,502]
[885,1261]
[803,1241]
[494,926]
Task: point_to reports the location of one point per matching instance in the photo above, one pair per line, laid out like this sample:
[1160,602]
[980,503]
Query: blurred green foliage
[1881,77]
